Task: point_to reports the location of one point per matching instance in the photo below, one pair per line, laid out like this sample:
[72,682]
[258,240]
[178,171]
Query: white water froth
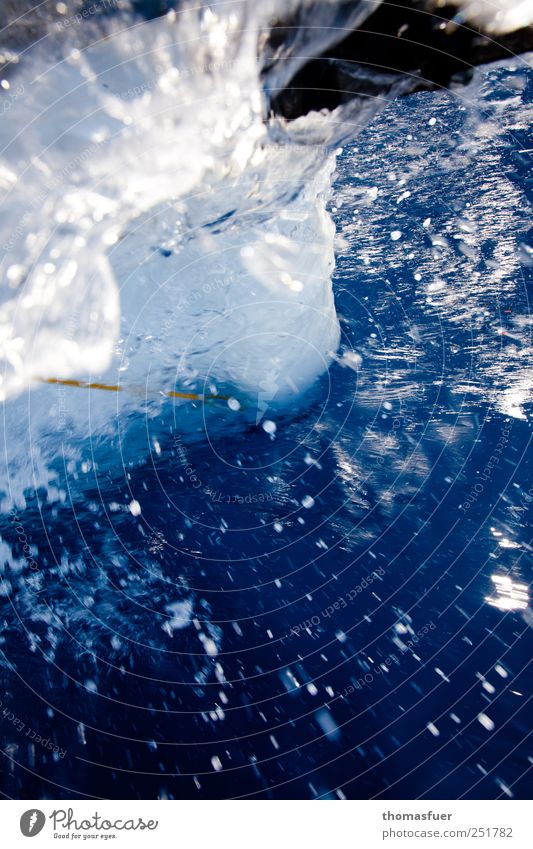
[496,16]
[157,233]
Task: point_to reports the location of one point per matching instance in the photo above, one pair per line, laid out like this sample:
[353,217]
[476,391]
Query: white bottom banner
[263,825]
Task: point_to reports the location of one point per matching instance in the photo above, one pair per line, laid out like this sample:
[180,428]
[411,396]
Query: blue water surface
[338,608]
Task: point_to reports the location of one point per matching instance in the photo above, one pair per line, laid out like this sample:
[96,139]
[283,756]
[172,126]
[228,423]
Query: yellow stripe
[82,384]
[191,395]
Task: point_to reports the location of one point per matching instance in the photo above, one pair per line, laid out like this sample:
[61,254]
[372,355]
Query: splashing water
[146,234]
[168,241]
[157,233]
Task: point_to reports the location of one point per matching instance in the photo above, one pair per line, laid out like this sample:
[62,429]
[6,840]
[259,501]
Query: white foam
[157,232]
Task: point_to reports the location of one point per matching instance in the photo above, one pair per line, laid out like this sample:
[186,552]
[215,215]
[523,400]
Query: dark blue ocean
[337,608]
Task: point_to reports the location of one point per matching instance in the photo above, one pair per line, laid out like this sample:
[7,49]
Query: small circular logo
[32,822]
